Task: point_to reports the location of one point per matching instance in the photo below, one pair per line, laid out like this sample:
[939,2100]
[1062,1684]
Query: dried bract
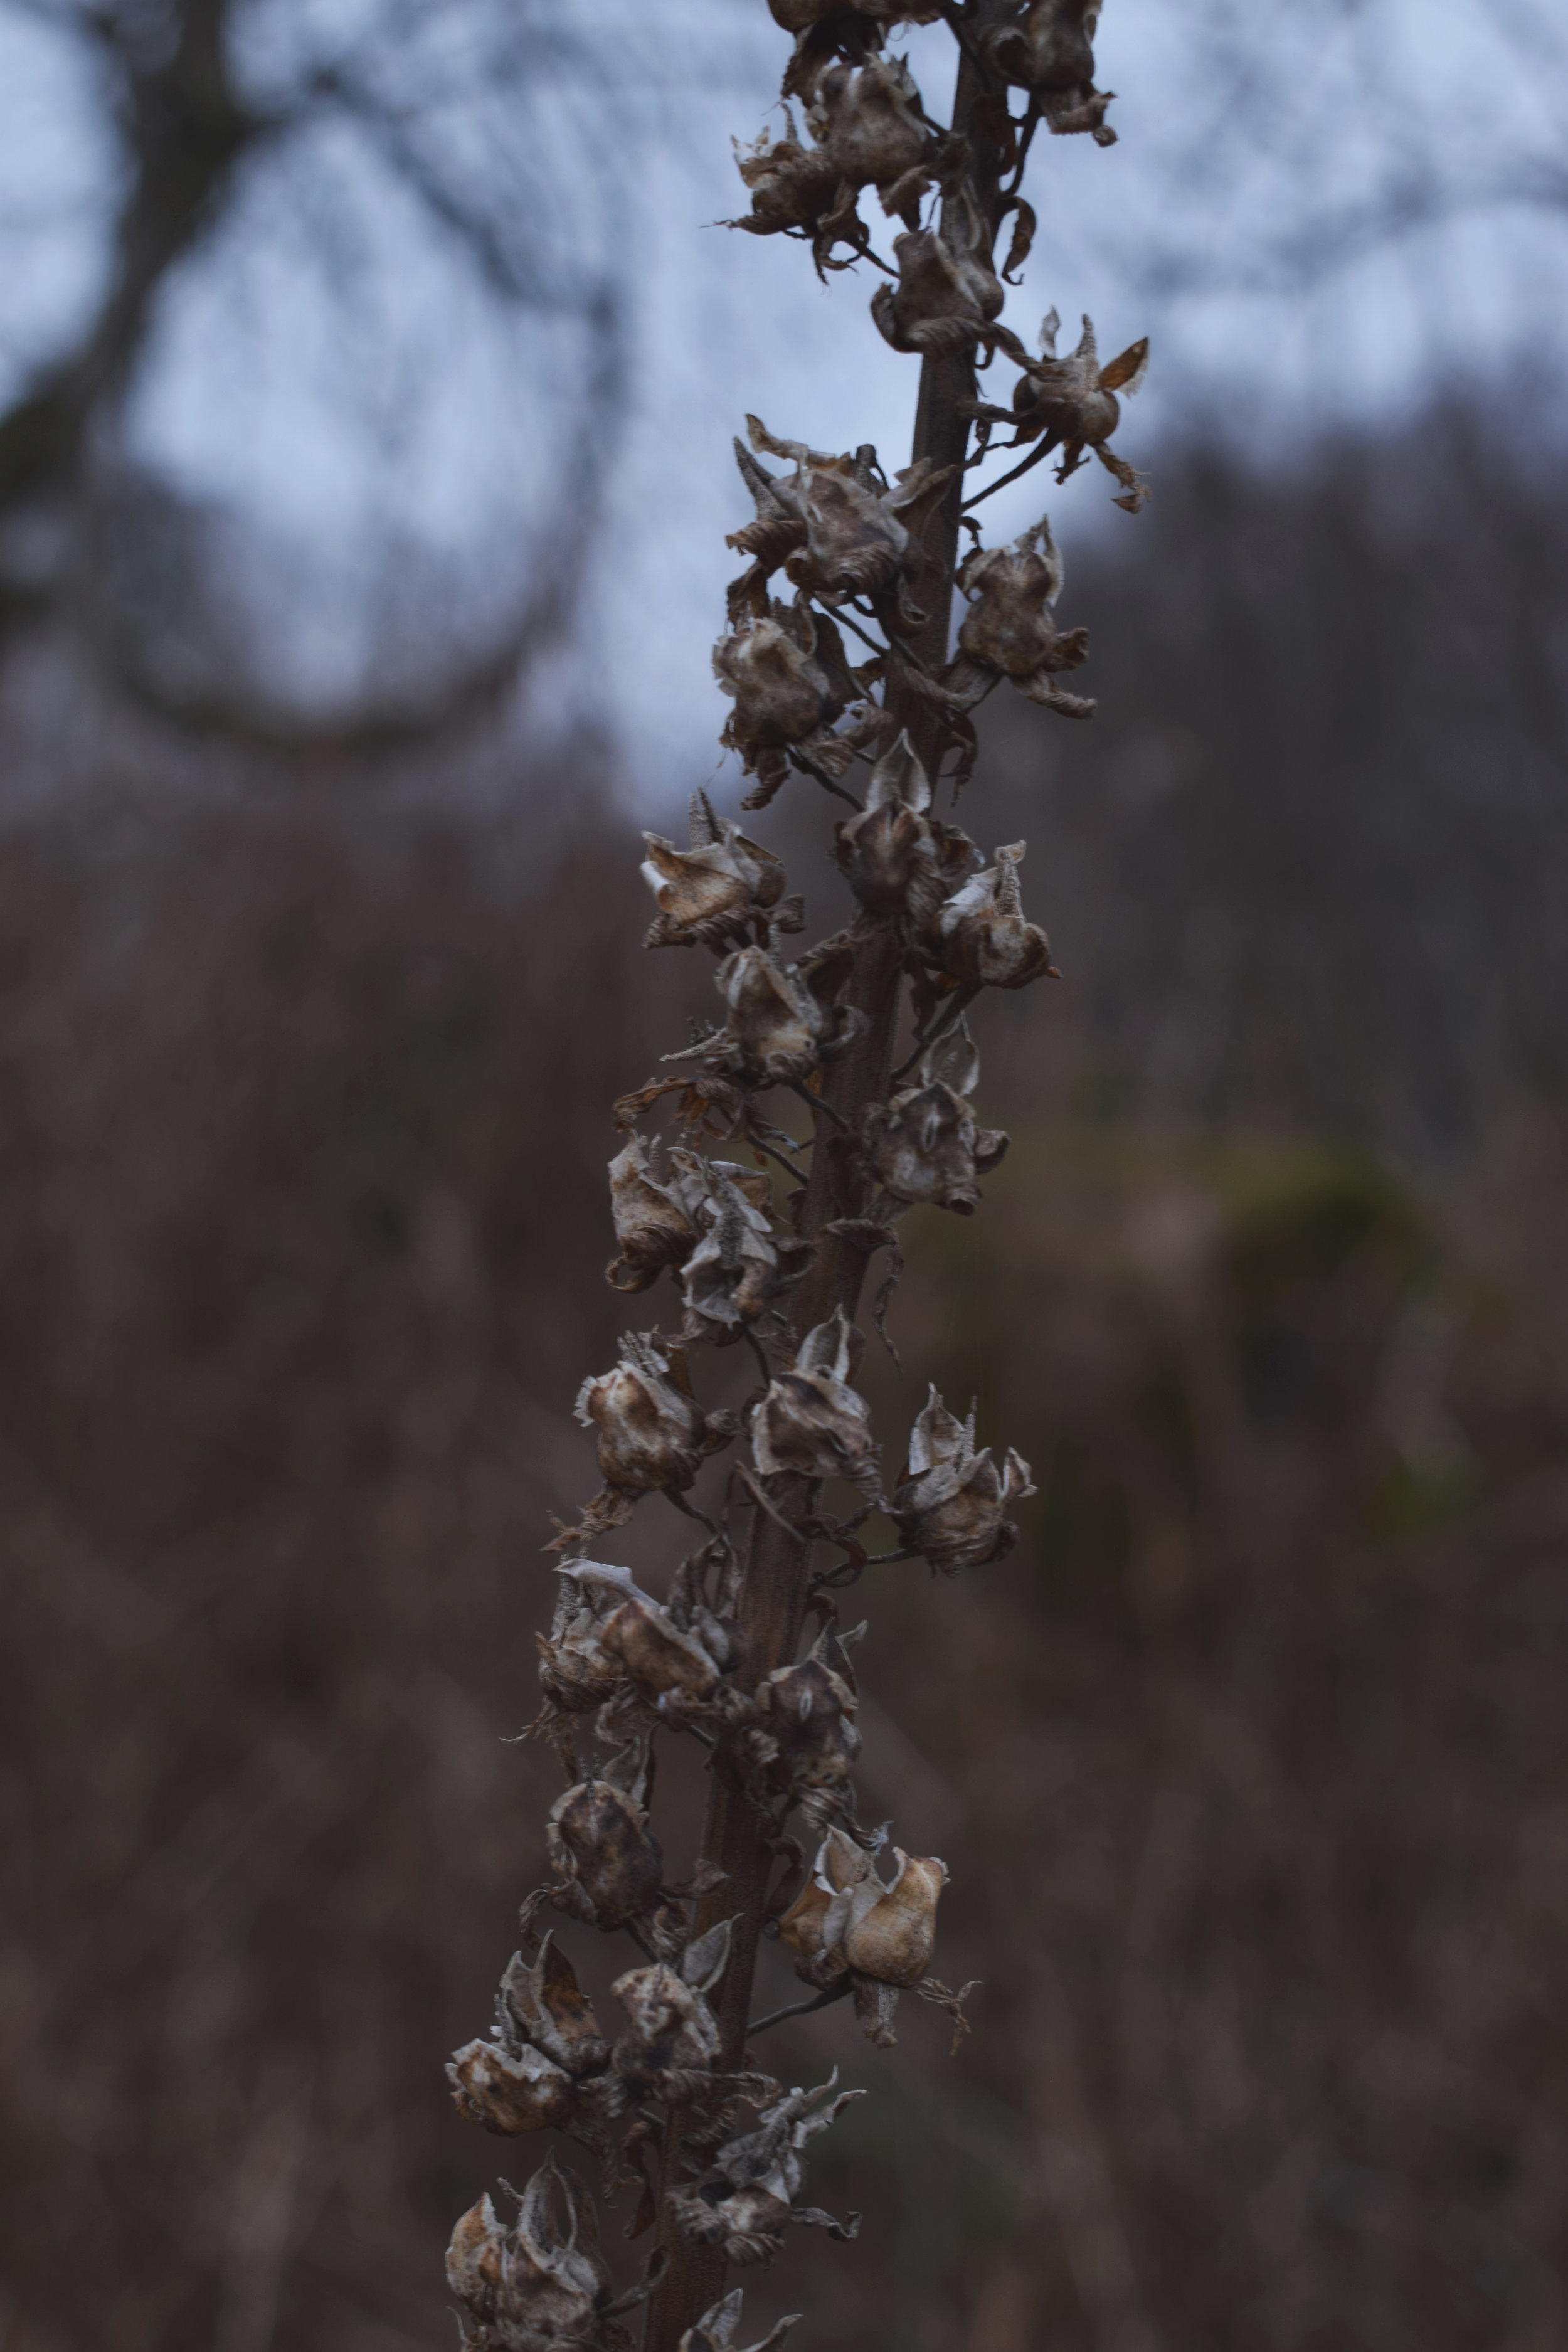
[540,2283]
[924,1144]
[720,890]
[986,941]
[786,671]
[1072,402]
[671,2042]
[600,1846]
[849,1920]
[716,2330]
[951,1503]
[1051,52]
[652,1432]
[811,1422]
[746,2200]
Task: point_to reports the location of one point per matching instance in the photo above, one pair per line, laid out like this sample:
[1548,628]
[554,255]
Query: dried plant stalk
[677,2106]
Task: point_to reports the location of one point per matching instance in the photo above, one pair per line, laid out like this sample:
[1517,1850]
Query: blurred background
[366,375]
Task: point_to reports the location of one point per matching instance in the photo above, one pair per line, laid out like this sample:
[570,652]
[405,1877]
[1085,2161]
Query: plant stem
[779,1564]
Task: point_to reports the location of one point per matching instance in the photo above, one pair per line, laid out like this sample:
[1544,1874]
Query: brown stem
[778,1569]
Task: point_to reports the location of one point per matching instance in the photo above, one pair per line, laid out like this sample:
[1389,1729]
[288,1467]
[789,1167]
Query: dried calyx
[1071,405]
[723,889]
[851,1924]
[924,1144]
[951,1503]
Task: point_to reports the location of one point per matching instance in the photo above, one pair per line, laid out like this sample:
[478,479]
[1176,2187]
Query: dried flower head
[803,1740]
[652,1432]
[740,1266]
[785,1020]
[1071,403]
[948,297]
[889,852]
[540,2283]
[720,890]
[745,2201]
[716,2330]
[671,2042]
[811,1422]
[1051,52]
[607,1860]
[836,524]
[924,1144]
[848,1919]
[867,129]
[787,671]
[986,941]
[951,1503]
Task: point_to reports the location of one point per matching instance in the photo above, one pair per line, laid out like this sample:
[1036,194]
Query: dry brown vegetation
[1249,1763]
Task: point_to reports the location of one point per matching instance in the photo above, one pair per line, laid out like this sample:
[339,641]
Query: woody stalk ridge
[761,1190]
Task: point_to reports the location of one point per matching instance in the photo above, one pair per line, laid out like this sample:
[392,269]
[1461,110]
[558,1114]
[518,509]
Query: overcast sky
[1317,208]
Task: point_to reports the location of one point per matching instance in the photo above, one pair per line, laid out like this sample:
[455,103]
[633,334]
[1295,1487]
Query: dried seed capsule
[541,2003]
[671,2042]
[951,1505]
[746,2200]
[948,297]
[866,130]
[803,1735]
[601,1846]
[986,941]
[714,892]
[1051,52]
[506,2093]
[811,1422]
[785,1020]
[740,1266]
[540,2283]
[577,1672]
[786,671]
[652,1432]
[924,1144]
[847,1919]
[661,1660]
[836,523]
[889,852]
[1073,402]
[655,1212]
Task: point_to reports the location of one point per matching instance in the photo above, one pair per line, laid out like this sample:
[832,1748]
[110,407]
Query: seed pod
[652,1432]
[577,1672]
[836,522]
[716,891]
[1072,402]
[740,1266]
[948,297]
[951,1505]
[811,1422]
[786,671]
[849,1920]
[601,1846]
[1051,52]
[889,852]
[663,1662]
[865,131]
[655,1212]
[923,1145]
[986,941]
[538,2284]
[785,1020]
[671,2042]
[803,1735]
[715,2331]
[745,2201]
[506,2092]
